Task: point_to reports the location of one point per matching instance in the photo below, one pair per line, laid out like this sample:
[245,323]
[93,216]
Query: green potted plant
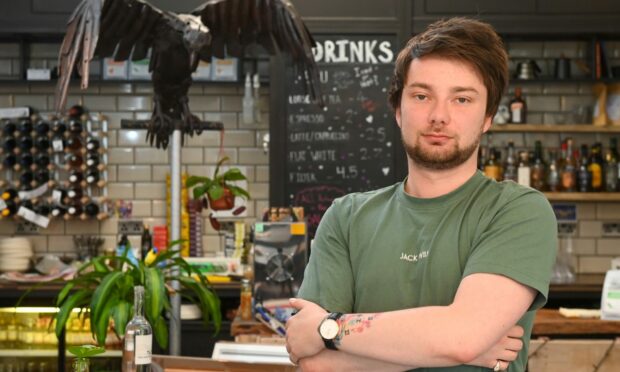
[107,290]
[219,190]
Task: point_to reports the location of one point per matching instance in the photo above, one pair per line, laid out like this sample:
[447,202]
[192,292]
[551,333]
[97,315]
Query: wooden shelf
[584,196]
[553,128]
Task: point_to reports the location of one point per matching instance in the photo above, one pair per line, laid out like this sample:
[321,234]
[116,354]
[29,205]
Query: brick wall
[137,172]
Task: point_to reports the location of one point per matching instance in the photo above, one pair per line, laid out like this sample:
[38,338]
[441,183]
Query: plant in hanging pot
[219,189]
[107,290]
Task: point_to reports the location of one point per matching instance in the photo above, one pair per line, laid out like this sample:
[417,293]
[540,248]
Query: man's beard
[438,160]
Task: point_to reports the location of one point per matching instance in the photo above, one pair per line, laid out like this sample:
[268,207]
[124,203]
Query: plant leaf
[100,328]
[120,314]
[86,351]
[102,294]
[215,191]
[100,266]
[64,292]
[155,291]
[238,191]
[234,174]
[194,180]
[208,301]
[77,299]
[160,328]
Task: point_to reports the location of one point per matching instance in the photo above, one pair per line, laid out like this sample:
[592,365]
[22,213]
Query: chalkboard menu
[349,145]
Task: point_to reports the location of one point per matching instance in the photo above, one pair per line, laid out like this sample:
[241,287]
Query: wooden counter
[549,322]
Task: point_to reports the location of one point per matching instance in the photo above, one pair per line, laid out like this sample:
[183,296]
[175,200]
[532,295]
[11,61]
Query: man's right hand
[505,350]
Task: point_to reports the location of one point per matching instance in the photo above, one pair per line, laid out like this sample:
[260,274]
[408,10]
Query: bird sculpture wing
[104,28]
[274,24]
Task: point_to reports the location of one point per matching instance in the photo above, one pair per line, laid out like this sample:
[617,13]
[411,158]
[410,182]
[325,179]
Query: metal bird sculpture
[127,29]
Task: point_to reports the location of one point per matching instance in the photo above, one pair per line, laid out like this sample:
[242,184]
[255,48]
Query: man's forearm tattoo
[353,323]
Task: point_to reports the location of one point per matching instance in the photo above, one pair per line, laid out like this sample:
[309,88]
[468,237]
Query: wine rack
[53,168]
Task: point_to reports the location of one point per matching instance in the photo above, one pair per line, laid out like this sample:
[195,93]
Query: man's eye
[420,97]
[462,100]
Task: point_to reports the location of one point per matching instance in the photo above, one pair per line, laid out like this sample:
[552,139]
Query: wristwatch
[329,329]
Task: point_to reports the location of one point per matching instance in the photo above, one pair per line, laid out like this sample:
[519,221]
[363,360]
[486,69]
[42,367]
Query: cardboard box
[189,364]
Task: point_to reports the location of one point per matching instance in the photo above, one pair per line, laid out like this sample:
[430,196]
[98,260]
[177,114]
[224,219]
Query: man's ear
[488,121]
[397,115]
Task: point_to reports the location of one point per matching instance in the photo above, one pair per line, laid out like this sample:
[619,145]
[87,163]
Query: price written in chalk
[347,172]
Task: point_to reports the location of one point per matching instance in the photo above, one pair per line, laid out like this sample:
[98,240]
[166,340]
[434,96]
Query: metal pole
[175,234]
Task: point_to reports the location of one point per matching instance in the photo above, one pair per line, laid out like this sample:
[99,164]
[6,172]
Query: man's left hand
[302,335]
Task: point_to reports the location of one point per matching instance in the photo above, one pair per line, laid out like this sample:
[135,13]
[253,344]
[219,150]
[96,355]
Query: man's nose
[440,113]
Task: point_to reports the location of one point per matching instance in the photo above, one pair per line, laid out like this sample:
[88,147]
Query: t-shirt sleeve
[328,278]
[519,242]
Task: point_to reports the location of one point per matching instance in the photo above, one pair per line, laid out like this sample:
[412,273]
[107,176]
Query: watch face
[329,329]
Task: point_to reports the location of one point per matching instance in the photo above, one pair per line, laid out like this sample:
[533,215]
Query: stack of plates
[15,254]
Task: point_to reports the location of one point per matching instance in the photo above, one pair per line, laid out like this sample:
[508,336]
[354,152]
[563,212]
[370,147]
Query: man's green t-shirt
[385,250]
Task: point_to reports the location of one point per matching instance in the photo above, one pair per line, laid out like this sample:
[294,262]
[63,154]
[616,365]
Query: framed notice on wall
[352,144]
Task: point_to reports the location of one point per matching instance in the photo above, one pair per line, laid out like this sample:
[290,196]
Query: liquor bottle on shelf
[518,108]
[138,337]
[553,176]
[91,209]
[146,242]
[92,177]
[538,168]
[523,171]
[92,144]
[611,166]
[59,127]
[510,166]
[492,169]
[42,128]
[584,175]
[25,128]
[568,172]
[75,126]
[595,167]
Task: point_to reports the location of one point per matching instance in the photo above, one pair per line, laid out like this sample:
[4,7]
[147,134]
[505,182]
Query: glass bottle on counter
[538,168]
[596,168]
[611,166]
[492,169]
[584,176]
[245,307]
[568,173]
[510,166]
[524,170]
[553,175]
[138,337]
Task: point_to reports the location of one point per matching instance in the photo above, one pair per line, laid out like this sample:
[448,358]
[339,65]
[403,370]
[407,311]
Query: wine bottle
[9,161]
[9,194]
[9,128]
[74,210]
[25,144]
[43,209]
[42,176]
[10,210]
[146,241]
[59,127]
[26,178]
[76,177]
[42,160]
[75,160]
[74,143]
[25,128]
[92,160]
[138,337]
[42,128]
[92,144]
[91,209]
[518,108]
[43,144]
[58,211]
[75,193]
[26,160]
[9,145]
[75,127]
[92,176]
[58,143]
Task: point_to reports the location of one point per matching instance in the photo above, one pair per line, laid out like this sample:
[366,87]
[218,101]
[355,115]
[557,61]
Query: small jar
[245,308]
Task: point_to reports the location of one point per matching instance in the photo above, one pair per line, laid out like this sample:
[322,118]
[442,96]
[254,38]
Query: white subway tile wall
[137,172]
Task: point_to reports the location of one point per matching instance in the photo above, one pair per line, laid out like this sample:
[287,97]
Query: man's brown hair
[473,42]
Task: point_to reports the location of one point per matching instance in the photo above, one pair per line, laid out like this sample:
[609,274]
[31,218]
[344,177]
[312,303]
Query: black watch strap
[329,344]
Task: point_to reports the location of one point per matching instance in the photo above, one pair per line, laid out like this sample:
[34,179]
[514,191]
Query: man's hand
[302,335]
[505,350]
